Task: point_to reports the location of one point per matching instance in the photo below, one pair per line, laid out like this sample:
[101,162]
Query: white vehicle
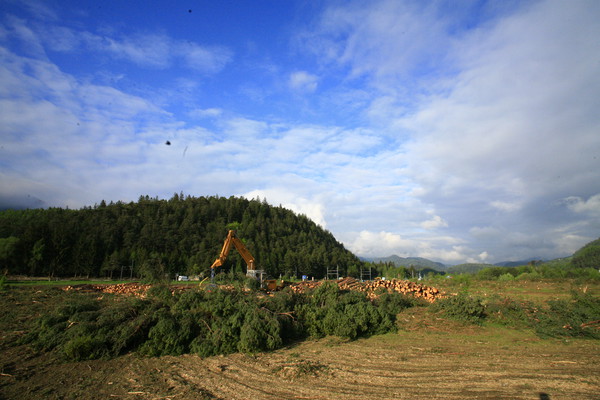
[183,278]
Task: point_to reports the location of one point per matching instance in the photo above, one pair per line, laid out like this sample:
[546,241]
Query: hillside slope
[588,255]
[181,235]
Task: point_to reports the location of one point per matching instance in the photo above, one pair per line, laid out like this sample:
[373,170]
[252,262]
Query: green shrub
[569,317]
[461,307]
[260,332]
[131,324]
[463,281]
[208,322]
[50,330]
[252,284]
[113,327]
[530,276]
[85,347]
[506,277]
[161,292]
[169,336]
[394,303]
[330,311]
[283,304]
[557,318]
[510,312]
[490,273]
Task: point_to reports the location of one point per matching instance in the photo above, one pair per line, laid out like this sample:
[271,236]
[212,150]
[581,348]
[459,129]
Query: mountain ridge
[417,262]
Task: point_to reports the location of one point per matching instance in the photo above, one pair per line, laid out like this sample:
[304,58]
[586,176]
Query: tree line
[163,237]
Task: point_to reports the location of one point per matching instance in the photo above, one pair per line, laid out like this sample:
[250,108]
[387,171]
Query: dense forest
[181,235]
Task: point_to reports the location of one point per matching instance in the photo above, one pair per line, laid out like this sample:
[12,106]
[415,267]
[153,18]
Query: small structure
[333,273]
[365,274]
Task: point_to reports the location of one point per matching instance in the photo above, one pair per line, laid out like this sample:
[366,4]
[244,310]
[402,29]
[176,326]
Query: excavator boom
[233,239]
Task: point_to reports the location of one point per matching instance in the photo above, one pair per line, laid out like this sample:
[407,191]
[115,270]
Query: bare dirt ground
[429,358]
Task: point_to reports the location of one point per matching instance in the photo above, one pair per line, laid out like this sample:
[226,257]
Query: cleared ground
[429,358]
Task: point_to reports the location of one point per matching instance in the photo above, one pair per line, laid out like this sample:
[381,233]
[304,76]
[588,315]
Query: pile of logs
[375,287]
[371,288]
[132,288]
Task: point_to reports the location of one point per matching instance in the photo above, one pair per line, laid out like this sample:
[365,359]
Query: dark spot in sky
[168,143]
[189,10]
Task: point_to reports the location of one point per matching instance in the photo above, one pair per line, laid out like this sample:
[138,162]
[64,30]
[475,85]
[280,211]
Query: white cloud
[30,43]
[505,206]
[568,243]
[591,206]
[485,232]
[150,50]
[206,113]
[145,50]
[435,222]
[313,209]
[511,110]
[203,58]
[384,39]
[380,243]
[303,81]
[384,243]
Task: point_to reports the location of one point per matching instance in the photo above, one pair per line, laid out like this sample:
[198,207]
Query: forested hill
[181,235]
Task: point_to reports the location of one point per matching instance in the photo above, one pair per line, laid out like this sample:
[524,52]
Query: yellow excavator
[246,255]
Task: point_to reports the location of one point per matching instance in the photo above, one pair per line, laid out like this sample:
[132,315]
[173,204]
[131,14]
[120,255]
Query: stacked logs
[375,287]
[132,288]
[371,288]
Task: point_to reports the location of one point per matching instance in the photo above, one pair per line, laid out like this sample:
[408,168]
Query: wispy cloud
[303,81]
[161,51]
[148,50]
[435,222]
[590,206]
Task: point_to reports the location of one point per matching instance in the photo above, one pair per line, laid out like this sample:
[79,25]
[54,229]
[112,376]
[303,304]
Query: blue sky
[461,131]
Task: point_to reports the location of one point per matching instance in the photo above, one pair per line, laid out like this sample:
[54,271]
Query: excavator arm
[233,239]
[244,252]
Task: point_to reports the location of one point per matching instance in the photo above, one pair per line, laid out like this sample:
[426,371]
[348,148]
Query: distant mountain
[468,268]
[8,202]
[417,262]
[518,263]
